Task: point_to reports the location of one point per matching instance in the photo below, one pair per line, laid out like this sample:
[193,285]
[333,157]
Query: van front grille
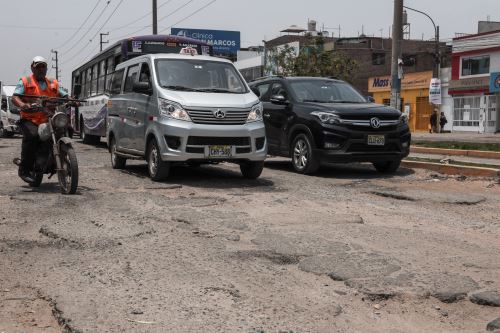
[230,116]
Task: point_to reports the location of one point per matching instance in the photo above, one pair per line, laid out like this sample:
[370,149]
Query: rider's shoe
[26,176]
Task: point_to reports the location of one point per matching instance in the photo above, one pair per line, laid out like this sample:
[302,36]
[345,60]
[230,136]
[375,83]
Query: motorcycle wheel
[38,176]
[68,177]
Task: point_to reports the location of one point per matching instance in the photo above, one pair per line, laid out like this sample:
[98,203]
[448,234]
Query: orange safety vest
[32,88]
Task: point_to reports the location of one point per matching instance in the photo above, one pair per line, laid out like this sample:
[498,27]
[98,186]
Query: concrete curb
[451,169]
[456,152]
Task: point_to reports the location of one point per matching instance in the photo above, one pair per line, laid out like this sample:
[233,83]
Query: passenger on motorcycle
[35,85]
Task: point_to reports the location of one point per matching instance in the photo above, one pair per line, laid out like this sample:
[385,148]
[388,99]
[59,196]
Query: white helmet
[38,60]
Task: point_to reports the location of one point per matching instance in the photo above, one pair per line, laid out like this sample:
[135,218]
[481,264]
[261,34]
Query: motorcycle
[56,154]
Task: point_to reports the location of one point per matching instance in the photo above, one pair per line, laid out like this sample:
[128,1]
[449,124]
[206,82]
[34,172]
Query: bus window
[110,68]
[131,75]
[94,79]
[102,77]
[87,82]
[116,82]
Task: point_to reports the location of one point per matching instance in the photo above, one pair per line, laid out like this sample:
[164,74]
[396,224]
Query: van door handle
[267,115]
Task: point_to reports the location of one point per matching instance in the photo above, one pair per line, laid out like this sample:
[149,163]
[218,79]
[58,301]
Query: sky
[72,27]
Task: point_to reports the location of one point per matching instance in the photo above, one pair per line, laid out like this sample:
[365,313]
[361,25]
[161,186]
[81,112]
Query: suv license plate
[376,140]
[219,151]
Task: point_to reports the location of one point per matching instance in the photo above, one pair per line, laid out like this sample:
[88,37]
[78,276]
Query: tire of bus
[157,168]
[87,138]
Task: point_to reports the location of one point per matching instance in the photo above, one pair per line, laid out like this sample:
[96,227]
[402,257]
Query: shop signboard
[495,82]
[225,43]
[435,91]
[477,83]
[420,80]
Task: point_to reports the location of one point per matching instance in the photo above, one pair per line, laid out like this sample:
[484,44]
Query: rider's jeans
[30,144]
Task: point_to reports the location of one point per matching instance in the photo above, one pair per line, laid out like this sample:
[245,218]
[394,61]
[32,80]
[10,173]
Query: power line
[190,15]
[148,26]
[81,26]
[91,26]
[140,18]
[107,20]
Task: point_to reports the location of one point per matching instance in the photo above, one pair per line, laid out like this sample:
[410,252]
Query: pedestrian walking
[442,121]
[433,122]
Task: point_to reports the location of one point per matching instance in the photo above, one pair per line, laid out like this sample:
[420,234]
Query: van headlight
[327,117]
[172,110]
[256,113]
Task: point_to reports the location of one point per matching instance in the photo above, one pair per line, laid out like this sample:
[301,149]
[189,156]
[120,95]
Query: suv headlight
[256,113]
[172,110]
[403,119]
[327,117]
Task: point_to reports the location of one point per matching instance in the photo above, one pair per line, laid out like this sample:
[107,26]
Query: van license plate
[376,140]
[219,151]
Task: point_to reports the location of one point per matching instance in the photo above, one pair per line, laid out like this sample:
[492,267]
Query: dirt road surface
[346,250]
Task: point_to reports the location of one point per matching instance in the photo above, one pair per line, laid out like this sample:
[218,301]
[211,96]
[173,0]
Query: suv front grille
[232,116]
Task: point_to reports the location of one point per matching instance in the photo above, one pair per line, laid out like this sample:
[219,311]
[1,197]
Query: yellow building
[414,97]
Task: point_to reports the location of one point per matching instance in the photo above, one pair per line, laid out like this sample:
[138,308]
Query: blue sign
[225,43]
[495,82]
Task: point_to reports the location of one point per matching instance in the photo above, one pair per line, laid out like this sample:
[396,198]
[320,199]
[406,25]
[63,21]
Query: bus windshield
[199,75]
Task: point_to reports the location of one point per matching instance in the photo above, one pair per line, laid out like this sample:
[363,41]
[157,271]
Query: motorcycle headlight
[60,120]
[256,113]
[327,117]
[172,110]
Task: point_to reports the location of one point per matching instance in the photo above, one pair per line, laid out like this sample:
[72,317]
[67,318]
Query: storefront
[475,63]
[414,97]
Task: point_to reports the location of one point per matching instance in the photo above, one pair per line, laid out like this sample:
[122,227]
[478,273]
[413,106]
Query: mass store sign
[495,82]
[223,42]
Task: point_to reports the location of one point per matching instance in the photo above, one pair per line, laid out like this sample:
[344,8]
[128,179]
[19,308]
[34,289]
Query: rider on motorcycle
[35,85]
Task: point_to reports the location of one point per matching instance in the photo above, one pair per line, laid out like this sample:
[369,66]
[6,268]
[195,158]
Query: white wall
[446,100]
[495,62]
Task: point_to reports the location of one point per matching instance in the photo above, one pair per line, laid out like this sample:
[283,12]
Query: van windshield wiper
[218,90]
[346,102]
[180,88]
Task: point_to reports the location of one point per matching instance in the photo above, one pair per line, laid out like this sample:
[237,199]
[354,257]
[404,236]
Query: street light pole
[437,58]
[397,35]
[155,17]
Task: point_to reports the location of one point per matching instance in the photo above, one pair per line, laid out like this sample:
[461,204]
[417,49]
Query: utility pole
[155,18]
[397,35]
[101,42]
[56,67]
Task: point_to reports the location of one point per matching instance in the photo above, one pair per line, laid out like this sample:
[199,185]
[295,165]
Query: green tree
[312,60]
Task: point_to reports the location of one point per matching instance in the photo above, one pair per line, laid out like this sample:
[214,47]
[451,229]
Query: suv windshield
[199,75]
[325,91]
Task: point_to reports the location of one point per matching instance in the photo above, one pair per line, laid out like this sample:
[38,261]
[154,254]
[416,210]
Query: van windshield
[199,76]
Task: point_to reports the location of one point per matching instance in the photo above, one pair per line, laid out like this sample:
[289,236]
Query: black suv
[321,120]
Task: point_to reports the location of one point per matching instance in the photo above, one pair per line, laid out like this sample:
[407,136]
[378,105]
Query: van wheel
[157,168]
[303,159]
[117,162]
[387,166]
[252,170]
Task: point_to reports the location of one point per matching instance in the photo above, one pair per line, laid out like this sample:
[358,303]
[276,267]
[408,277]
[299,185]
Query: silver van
[184,108]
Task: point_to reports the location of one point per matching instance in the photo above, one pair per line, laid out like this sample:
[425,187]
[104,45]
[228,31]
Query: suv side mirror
[279,99]
[142,88]
[370,99]
[256,91]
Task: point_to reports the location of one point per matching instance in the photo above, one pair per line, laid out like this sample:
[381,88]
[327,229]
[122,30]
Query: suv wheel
[157,168]
[303,159]
[387,166]
[252,170]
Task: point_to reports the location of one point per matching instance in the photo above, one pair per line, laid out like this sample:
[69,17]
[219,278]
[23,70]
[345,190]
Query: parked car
[9,113]
[321,120]
[184,108]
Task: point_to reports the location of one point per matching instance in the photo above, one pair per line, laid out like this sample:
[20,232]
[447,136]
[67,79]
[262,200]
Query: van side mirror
[279,99]
[370,99]
[142,88]
[77,90]
[256,91]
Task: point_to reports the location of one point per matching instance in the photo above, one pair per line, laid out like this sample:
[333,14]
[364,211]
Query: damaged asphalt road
[346,250]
